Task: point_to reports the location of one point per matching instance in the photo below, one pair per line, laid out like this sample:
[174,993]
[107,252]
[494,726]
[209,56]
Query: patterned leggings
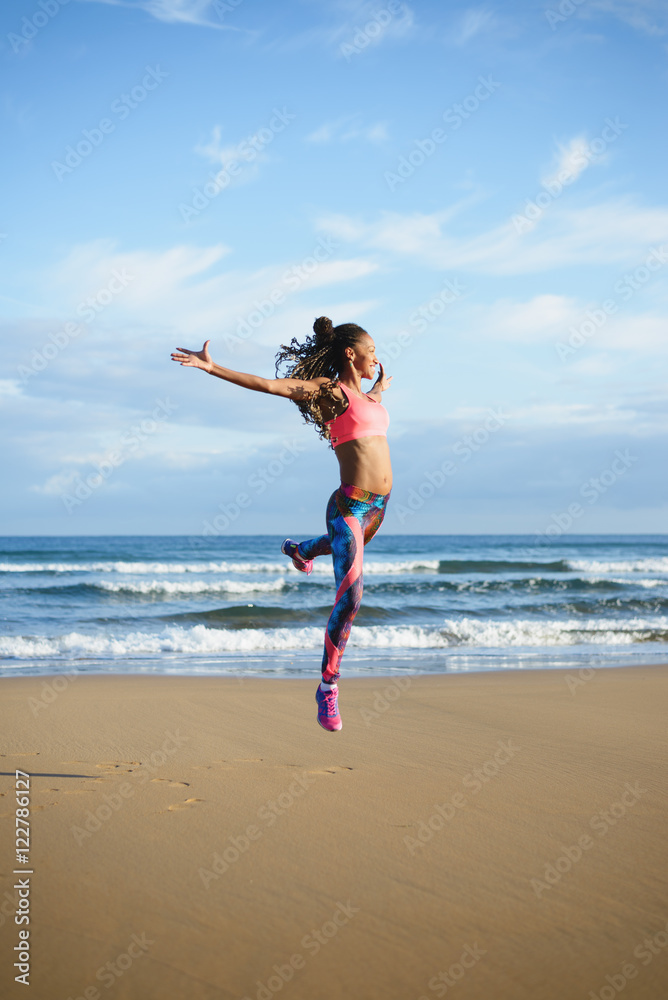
[353,518]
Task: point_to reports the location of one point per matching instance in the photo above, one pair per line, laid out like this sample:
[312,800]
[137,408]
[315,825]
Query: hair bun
[324,330]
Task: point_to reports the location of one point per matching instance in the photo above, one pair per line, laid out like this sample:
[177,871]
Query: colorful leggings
[353,518]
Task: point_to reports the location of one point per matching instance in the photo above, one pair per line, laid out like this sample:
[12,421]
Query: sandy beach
[498,835]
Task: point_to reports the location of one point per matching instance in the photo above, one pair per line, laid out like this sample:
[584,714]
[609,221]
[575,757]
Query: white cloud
[196,12]
[648,16]
[347,128]
[337,271]
[240,161]
[542,317]
[190,287]
[571,159]
[551,319]
[213,150]
[620,418]
[10,387]
[471,23]
[378,132]
[56,485]
[372,23]
[562,414]
[595,366]
[155,278]
[645,332]
[616,231]
[364,27]
[626,416]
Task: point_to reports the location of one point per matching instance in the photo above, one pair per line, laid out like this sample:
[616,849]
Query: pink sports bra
[364,417]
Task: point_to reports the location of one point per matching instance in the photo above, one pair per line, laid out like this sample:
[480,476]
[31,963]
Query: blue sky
[481,187]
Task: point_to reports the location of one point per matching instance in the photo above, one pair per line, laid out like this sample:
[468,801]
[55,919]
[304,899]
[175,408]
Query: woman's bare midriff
[365,462]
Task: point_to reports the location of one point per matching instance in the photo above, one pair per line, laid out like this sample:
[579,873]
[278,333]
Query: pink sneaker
[328,709]
[289,548]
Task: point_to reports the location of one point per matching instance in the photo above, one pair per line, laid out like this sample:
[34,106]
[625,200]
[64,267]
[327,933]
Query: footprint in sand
[182,805]
[118,767]
[171,781]
[331,770]
[227,764]
[68,791]
[111,769]
[119,763]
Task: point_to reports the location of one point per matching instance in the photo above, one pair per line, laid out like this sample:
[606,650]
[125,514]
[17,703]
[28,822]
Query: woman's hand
[382,383]
[194,359]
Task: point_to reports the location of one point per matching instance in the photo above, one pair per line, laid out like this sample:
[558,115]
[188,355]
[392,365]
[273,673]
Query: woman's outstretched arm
[293,388]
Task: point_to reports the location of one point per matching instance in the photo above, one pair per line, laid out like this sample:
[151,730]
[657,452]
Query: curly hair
[321,355]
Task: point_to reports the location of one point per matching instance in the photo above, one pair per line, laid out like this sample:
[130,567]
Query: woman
[324,378]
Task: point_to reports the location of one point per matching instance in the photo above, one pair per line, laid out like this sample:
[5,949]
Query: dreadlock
[321,355]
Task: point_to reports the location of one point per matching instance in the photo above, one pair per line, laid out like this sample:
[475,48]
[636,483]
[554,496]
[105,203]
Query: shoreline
[424,664]
[499,829]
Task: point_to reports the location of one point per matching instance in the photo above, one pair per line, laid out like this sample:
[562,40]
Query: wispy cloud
[549,318]
[10,387]
[347,128]
[572,159]
[350,29]
[647,16]
[616,231]
[196,12]
[471,23]
[189,287]
[240,155]
[240,161]
[540,318]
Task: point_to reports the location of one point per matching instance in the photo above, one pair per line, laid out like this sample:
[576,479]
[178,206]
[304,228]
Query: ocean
[235,605]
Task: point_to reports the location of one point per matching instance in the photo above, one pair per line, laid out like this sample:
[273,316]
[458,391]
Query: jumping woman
[323,376]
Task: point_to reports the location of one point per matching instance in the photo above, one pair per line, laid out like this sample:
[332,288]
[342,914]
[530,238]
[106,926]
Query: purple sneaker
[328,709]
[289,548]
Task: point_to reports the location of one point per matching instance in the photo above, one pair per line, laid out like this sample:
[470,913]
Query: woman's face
[364,357]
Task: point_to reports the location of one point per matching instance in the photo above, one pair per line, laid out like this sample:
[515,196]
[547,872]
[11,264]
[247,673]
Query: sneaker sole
[337,729]
[304,568]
